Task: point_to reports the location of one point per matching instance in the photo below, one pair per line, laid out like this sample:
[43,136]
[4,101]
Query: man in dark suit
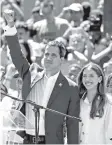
[49,88]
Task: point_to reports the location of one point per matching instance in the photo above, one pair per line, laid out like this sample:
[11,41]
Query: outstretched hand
[9,17]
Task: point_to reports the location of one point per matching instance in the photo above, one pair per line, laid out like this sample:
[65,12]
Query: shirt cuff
[10,31]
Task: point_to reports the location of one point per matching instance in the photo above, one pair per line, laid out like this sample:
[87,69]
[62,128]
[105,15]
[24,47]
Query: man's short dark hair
[60,45]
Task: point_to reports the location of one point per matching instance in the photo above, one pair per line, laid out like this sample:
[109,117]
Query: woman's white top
[97,130]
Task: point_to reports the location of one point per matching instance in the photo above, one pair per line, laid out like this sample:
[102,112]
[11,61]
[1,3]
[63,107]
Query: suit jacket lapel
[58,85]
[37,78]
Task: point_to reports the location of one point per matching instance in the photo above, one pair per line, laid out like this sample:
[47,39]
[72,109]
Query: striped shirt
[40,94]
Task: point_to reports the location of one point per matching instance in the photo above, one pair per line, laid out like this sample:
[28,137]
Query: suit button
[80,141]
[82,124]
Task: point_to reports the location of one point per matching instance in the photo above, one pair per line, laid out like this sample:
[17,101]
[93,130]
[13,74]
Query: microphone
[42,107]
[24,101]
[37,113]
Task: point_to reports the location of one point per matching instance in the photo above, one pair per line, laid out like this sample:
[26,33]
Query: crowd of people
[84,58]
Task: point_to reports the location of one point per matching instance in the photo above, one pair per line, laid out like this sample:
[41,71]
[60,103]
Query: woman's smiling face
[90,79]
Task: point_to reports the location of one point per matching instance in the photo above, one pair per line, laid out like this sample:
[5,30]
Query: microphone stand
[36,110]
[37,113]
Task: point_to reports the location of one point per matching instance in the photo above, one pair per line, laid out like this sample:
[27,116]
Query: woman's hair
[109,80]
[99,99]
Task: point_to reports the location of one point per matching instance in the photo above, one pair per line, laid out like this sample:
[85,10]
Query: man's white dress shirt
[40,94]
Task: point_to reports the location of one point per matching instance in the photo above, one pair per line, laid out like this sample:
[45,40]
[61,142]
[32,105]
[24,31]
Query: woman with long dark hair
[95,111]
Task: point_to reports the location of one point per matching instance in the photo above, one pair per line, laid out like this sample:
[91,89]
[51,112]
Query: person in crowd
[3,52]
[109,87]
[49,89]
[35,17]
[2,23]
[102,53]
[22,30]
[7,103]
[10,82]
[78,41]
[16,6]
[101,45]
[51,27]
[66,14]
[10,72]
[37,51]
[103,56]
[85,25]
[87,10]
[74,71]
[76,37]
[107,69]
[109,97]
[93,26]
[77,13]
[95,111]
[95,30]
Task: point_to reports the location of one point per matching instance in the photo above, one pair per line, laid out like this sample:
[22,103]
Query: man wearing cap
[49,89]
[51,27]
[76,14]
[78,39]
[35,15]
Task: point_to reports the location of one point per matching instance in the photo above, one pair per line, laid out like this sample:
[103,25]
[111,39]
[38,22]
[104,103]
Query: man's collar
[53,76]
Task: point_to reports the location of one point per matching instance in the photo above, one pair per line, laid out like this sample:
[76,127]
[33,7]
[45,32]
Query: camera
[95,24]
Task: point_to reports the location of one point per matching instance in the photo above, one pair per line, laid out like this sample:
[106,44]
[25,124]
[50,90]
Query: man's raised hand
[9,16]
